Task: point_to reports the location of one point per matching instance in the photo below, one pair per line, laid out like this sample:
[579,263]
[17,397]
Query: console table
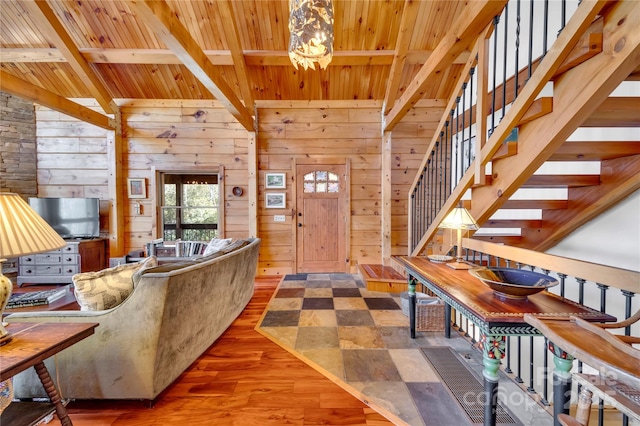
[31,344]
[495,317]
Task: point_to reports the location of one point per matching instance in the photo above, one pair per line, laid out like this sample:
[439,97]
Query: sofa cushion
[106,289]
[216,244]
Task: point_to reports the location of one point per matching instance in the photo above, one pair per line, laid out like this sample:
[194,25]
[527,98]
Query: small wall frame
[275,180]
[275,200]
[136,188]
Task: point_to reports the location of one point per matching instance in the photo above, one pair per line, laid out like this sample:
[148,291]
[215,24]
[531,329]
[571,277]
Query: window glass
[321,181]
[190,207]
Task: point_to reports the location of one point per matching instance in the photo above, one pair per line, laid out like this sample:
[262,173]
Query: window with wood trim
[189,206]
[321,181]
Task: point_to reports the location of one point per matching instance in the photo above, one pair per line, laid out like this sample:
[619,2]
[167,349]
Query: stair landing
[383,278]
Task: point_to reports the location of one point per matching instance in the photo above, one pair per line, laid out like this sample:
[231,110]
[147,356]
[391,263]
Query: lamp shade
[459,218]
[22,230]
[311,33]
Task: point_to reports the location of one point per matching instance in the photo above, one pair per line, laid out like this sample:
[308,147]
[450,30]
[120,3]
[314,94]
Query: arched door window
[321,181]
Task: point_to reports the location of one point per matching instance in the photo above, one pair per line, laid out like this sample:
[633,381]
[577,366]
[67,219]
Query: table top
[34,342]
[492,313]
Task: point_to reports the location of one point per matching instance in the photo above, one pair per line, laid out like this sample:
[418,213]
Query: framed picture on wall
[275,180]
[136,188]
[275,200]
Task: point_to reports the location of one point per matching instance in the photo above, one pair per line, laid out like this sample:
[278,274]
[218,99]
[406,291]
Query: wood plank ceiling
[245,41]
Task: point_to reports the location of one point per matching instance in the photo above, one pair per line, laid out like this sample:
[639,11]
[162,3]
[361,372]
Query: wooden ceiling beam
[25,90]
[237,56]
[46,19]
[159,17]
[472,20]
[407,23]
[217,57]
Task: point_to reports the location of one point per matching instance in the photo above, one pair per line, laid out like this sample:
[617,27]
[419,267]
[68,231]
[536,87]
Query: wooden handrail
[622,279]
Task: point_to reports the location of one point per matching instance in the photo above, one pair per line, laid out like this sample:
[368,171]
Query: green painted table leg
[493,350]
[561,382]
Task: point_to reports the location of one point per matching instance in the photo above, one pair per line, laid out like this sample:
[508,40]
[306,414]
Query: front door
[321,213]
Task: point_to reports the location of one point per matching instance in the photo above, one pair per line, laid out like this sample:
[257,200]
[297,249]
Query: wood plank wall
[164,135]
[72,158]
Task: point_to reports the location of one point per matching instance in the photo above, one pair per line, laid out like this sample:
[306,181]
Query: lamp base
[459,265]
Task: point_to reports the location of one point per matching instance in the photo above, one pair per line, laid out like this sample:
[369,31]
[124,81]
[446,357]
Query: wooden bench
[383,278]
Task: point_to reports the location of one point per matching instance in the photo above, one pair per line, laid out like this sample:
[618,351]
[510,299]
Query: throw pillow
[106,289]
[216,244]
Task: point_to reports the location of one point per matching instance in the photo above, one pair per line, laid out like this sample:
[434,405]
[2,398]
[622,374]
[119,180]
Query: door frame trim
[342,161]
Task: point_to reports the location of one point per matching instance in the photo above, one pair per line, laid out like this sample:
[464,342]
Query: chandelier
[311,28]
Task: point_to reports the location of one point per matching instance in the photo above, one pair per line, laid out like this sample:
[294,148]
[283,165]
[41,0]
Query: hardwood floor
[243,379]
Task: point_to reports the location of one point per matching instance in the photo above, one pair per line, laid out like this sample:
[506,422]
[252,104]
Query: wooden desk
[31,344]
[495,317]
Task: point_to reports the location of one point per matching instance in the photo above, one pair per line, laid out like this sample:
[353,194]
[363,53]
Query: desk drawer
[48,259]
[48,270]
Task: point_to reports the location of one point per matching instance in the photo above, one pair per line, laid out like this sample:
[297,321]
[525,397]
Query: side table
[32,343]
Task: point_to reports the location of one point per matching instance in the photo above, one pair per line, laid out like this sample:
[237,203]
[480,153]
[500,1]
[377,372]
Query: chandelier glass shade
[311,33]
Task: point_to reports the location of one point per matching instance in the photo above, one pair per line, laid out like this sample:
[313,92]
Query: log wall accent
[17,146]
[180,135]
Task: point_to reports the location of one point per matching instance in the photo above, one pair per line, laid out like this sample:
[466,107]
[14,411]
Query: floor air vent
[464,386]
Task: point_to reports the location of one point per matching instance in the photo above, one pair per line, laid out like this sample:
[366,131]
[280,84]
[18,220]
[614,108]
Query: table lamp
[460,219]
[22,232]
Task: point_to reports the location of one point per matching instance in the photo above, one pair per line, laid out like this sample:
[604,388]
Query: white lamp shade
[22,230]
[459,218]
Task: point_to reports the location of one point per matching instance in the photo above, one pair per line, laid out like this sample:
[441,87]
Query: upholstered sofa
[142,345]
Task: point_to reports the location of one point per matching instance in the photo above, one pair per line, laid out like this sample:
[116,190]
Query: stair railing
[604,288]
[466,138]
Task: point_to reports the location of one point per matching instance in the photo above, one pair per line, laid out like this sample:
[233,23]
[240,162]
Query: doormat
[462,383]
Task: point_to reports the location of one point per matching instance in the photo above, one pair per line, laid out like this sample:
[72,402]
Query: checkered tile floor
[360,339]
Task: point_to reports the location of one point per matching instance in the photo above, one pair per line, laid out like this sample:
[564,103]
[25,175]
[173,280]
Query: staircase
[575,153]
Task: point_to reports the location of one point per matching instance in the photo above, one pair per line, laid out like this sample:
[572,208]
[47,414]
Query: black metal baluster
[461,154]
[447,161]
[496,21]
[471,72]
[562,277]
[413,220]
[530,59]
[563,16]
[518,377]
[545,28]
[504,61]
[545,375]
[517,54]
[507,368]
[627,331]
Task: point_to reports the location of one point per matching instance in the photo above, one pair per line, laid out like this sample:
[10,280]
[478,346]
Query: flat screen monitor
[70,217]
